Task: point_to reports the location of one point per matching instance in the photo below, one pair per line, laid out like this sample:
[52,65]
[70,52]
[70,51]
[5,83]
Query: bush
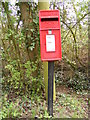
[24,81]
[78,82]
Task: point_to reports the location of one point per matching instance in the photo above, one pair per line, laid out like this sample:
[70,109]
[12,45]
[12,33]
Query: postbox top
[49,19]
[48,10]
[49,13]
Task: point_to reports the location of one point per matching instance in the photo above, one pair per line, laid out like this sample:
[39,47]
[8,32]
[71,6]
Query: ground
[68,104]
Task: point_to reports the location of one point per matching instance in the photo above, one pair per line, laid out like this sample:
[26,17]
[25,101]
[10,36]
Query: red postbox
[50,35]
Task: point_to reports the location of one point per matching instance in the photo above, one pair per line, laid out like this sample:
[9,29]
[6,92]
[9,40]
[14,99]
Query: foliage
[69,106]
[66,106]
[79,82]
[9,109]
[30,67]
[22,68]
[30,85]
[20,63]
[19,43]
[74,38]
[15,76]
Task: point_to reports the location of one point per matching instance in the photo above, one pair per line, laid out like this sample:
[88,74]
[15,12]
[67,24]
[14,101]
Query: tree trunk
[25,10]
[25,16]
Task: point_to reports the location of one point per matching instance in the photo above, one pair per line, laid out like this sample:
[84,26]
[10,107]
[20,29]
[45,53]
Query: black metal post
[50,86]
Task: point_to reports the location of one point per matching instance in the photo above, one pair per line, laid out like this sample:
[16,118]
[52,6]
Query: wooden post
[50,87]
[45,6]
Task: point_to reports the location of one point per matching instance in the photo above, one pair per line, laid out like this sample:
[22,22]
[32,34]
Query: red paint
[50,20]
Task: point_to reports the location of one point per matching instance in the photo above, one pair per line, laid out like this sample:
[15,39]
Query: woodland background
[22,85]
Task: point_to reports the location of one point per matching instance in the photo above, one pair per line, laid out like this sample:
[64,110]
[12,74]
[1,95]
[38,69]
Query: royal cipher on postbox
[50,35]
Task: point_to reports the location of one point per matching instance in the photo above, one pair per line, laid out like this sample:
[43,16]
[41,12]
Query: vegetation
[23,89]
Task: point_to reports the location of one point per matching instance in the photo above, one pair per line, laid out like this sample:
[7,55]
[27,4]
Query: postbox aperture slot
[49,19]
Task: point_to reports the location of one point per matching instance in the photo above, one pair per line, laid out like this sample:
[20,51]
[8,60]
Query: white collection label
[50,43]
